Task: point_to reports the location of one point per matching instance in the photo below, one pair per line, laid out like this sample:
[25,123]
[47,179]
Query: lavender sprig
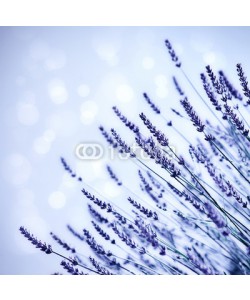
[155,153]
[101,231]
[71,269]
[215,82]
[124,237]
[230,87]
[104,205]
[152,105]
[210,93]
[76,234]
[97,215]
[172,53]
[122,144]
[216,217]
[177,86]
[62,243]
[124,120]
[236,121]
[149,213]
[113,176]
[193,115]
[161,138]
[40,245]
[109,139]
[243,82]
[102,270]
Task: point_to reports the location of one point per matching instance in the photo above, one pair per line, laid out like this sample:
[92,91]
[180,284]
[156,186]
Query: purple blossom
[192,114]
[199,264]
[177,86]
[113,176]
[147,232]
[198,154]
[34,241]
[101,231]
[162,140]
[235,120]
[76,234]
[234,92]
[71,269]
[97,215]
[243,82]
[122,144]
[213,214]
[104,205]
[124,120]
[152,105]
[216,84]
[62,243]
[109,139]
[149,213]
[102,270]
[155,153]
[124,237]
[97,248]
[172,53]
[209,92]
[68,169]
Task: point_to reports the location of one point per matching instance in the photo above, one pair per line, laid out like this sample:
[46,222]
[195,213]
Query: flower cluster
[122,144]
[187,211]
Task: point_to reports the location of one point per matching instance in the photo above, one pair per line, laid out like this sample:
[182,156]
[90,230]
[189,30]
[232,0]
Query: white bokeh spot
[16,169]
[148,63]
[41,145]
[161,80]
[55,61]
[57,200]
[58,92]
[111,189]
[124,93]
[209,57]
[49,135]
[83,90]
[89,110]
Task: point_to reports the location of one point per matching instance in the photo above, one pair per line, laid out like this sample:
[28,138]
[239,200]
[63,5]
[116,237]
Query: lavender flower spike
[152,105]
[40,245]
[70,269]
[113,176]
[122,144]
[177,86]
[172,53]
[230,87]
[128,124]
[161,138]
[215,217]
[243,82]
[192,114]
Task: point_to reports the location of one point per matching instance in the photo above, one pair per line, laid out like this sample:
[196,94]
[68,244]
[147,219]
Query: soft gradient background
[57,86]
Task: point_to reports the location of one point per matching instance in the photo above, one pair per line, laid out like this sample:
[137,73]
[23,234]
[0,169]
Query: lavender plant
[191,214]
